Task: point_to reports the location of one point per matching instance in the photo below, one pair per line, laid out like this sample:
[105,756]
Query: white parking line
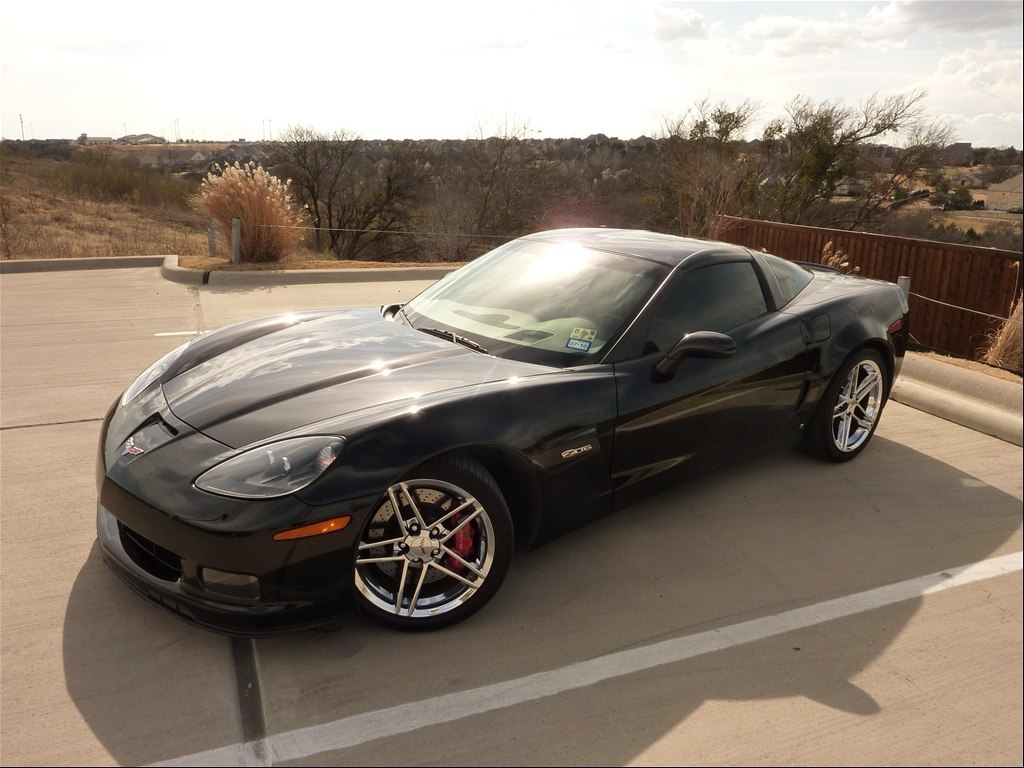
[360,729]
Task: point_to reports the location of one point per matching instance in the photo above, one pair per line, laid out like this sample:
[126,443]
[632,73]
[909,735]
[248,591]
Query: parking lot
[782,611]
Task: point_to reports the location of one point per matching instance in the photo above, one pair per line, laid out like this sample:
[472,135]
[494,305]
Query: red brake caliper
[462,544]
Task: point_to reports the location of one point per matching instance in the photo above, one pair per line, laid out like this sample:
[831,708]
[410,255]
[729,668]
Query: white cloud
[793,36]
[978,90]
[967,17]
[885,27]
[989,72]
[673,21]
[987,130]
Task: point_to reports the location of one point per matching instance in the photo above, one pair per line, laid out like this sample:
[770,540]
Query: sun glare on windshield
[559,262]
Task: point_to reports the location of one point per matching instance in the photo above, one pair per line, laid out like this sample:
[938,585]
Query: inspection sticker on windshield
[580,339]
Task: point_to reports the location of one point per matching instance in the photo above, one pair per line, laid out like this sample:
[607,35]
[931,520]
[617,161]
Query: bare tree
[316,163]
[497,186]
[355,192]
[375,201]
[885,175]
[808,157]
[704,168]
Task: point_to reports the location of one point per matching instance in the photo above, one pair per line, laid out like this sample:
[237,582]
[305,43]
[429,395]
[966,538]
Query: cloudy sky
[395,69]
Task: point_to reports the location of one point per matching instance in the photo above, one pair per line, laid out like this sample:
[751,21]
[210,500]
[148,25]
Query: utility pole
[22,121]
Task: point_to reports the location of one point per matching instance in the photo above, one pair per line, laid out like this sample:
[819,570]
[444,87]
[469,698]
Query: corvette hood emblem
[131,449]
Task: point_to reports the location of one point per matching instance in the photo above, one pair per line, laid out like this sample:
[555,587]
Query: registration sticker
[578,345]
[586,334]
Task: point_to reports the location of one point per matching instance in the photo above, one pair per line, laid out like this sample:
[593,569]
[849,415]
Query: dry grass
[981,221]
[974,365]
[87,230]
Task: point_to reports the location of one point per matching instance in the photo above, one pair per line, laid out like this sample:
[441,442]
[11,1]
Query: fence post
[211,238]
[236,236]
[903,281]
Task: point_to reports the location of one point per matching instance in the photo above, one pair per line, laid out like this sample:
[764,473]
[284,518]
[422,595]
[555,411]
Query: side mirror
[697,344]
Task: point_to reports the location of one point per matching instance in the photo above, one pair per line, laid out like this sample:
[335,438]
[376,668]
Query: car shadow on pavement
[750,540]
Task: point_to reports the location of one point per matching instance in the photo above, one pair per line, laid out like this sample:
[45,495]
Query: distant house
[960,153]
[142,138]
[1005,195]
[849,187]
[94,140]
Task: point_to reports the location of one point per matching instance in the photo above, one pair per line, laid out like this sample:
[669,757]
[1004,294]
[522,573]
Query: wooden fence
[955,290]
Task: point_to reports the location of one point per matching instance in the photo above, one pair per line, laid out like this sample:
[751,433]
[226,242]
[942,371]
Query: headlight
[151,374]
[272,470]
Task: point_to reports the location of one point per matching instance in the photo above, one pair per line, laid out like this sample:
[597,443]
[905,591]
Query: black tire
[443,556]
[848,413]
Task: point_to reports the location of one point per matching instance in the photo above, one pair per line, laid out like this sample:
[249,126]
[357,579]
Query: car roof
[670,250]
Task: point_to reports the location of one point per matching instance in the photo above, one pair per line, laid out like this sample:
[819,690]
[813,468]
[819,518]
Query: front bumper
[225,618]
[301,584]
[174,544]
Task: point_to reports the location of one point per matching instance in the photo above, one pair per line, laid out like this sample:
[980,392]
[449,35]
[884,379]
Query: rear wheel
[436,548]
[849,410]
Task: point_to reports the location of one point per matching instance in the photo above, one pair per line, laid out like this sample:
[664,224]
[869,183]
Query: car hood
[323,369]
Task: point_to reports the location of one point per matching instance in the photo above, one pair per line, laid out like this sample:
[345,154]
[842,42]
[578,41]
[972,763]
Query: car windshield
[553,303]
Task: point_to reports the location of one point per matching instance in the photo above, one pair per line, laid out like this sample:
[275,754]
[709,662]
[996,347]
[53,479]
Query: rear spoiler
[815,267]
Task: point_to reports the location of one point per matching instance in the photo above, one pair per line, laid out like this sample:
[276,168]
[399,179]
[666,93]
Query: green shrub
[271,222]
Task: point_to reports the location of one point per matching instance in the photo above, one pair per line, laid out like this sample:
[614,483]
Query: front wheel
[848,413]
[436,548]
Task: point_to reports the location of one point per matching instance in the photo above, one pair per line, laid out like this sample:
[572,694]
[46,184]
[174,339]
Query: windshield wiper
[451,336]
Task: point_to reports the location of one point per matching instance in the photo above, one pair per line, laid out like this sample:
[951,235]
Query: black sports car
[276,473]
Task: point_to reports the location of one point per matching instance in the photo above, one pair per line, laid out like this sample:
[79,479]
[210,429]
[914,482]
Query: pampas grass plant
[271,221]
[1005,345]
[837,260]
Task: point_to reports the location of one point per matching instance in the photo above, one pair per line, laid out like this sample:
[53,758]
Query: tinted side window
[792,277]
[714,298]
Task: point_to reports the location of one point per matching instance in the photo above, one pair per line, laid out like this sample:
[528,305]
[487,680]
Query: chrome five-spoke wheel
[850,408]
[435,549]
[858,406]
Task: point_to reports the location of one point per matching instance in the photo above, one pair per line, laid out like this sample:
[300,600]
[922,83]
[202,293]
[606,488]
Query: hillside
[45,215]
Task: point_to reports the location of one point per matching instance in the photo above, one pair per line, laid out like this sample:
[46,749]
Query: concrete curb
[306,276]
[21,266]
[969,398]
[974,400]
[170,270]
